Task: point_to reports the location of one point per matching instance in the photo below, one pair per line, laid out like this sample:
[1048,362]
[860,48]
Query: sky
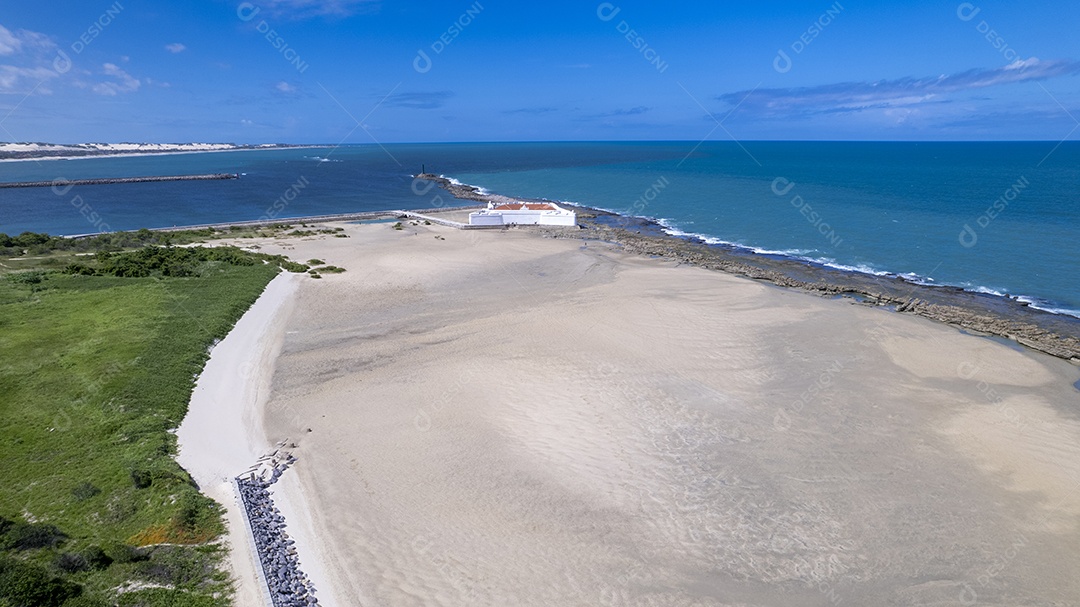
[382,71]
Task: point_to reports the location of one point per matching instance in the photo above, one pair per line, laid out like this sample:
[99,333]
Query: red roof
[525,206]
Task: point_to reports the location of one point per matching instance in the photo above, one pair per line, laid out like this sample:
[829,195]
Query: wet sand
[497,418]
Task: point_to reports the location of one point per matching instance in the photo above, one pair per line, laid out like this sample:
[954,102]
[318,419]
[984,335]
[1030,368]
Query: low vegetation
[329,269]
[31,249]
[97,363]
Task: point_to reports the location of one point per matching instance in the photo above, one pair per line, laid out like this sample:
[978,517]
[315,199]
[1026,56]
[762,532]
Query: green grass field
[95,371]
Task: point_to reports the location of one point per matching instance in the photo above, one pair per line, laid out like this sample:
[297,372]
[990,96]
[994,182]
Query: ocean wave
[321,159]
[806,255]
[982,289]
[799,254]
[861,268]
[1045,306]
[479,189]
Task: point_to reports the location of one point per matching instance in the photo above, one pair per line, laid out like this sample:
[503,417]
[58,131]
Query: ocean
[998,217]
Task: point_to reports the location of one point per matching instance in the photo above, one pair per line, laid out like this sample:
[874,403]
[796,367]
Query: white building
[523,213]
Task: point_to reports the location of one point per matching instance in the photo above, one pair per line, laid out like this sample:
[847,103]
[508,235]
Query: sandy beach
[498,418]
[221,436]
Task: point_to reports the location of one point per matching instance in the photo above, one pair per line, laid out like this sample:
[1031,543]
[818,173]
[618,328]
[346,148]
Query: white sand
[124,150]
[222,434]
[501,419]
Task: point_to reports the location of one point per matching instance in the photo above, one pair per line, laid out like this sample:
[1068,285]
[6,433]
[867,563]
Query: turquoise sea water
[1001,217]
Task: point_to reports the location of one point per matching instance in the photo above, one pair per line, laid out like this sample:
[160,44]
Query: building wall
[485,219]
[526,217]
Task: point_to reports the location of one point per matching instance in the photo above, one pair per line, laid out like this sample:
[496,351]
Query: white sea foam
[983,289]
[479,189]
[669,227]
[1045,306]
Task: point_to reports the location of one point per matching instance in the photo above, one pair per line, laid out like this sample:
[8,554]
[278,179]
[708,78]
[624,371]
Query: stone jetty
[64,183]
[287,584]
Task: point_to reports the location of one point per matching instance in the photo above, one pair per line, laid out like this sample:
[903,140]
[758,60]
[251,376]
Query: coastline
[1001,316]
[162,153]
[672,436]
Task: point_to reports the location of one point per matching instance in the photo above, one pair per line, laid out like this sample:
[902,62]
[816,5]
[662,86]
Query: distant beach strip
[53,151]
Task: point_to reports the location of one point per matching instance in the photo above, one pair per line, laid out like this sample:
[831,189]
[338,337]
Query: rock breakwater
[65,183]
[286,582]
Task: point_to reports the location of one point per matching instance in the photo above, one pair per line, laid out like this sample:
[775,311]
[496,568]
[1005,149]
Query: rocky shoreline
[463,191]
[980,313]
[287,584]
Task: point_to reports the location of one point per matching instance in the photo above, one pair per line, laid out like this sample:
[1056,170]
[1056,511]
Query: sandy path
[222,434]
[501,419]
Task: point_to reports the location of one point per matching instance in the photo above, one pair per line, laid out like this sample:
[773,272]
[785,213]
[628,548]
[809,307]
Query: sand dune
[502,419]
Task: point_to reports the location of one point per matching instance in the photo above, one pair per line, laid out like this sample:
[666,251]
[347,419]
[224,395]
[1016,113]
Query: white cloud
[18,41]
[285,87]
[25,79]
[319,8]
[9,44]
[886,94]
[246,122]
[123,83]
[175,47]
[33,54]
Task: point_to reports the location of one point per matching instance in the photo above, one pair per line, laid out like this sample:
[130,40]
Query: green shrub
[29,239]
[30,277]
[85,601]
[28,585]
[176,566]
[141,478]
[28,536]
[80,269]
[122,553]
[84,491]
[96,558]
[69,562]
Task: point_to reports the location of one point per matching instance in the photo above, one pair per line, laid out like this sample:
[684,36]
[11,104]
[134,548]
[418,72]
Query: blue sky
[363,71]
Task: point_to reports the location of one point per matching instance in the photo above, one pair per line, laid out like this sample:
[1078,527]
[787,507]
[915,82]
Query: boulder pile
[288,585]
